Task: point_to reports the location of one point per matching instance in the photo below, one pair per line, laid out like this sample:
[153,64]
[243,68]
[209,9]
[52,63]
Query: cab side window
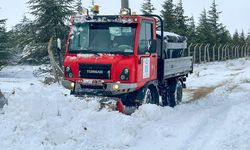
[146,34]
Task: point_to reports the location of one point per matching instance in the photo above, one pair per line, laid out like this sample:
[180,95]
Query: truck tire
[148,98]
[151,96]
[175,93]
[148,95]
[131,102]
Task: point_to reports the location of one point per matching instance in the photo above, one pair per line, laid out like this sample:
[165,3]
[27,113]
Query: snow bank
[47,117]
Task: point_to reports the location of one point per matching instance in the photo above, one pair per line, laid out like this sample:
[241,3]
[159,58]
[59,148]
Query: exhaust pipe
[125,10]
[124,4]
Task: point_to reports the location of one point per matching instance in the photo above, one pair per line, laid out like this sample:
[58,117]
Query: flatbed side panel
[176,45]
[177,66]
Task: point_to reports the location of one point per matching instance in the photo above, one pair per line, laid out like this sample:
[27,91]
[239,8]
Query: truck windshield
[113,38]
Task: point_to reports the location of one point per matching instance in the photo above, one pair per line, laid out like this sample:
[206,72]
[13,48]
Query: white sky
[235,13]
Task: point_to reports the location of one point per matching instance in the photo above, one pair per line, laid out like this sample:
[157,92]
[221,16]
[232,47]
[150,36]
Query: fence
[218,52]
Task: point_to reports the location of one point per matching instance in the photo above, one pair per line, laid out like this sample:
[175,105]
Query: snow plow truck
[128,57]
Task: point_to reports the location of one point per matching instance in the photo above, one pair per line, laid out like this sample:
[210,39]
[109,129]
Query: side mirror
[152,46]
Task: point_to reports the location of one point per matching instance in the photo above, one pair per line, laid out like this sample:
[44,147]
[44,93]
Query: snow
[85,55]
[91,55]
[168,34]
[42,116]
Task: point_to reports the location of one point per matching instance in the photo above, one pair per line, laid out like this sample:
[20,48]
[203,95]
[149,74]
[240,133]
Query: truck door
[147,62]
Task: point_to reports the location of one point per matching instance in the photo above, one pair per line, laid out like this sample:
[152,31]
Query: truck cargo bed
[177,67]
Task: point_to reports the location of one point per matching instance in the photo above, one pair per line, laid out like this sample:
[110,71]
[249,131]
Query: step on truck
[128,57]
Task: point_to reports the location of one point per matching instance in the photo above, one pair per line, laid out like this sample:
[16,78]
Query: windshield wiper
[83,51]
[97,53]
[121,53]
[90,52]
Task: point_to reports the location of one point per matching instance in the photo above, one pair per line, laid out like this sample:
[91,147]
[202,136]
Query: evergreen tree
[236,38]
[3,35]
[50,17]
[225,36]
[79,6]
[147,7]
[215,26]
[180,19]
[242,38]
[191,30]
[24,44]
[168,16]
[203,29]
[3,42]
[22,34]
[248,38]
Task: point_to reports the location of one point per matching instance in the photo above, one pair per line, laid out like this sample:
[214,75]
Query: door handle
[140,60]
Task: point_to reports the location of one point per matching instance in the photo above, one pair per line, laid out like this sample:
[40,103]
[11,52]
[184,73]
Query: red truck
[126,57]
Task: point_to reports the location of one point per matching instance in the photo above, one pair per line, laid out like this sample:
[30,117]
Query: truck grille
[94,71]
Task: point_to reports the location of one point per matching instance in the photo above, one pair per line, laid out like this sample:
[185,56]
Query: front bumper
[103,89]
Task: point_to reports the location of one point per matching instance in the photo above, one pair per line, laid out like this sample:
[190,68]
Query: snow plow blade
[123,109]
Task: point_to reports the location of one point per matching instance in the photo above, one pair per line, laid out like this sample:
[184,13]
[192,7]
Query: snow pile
[46,117]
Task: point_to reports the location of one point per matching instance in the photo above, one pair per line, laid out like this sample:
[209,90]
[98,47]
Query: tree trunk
[57,71]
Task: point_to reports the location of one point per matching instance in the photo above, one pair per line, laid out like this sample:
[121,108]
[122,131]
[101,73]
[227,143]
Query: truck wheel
[175,94]
[148,98]
[178,92]
[151,96]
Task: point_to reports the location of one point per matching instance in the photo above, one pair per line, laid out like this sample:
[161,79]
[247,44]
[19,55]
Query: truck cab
[110,55]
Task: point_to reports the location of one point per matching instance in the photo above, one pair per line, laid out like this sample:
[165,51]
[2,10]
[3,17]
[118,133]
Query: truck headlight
[70,75]
[68,72]
[125,74]
[126,71]
[67,69]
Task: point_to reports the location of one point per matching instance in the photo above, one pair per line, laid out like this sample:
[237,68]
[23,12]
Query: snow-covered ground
[215,115]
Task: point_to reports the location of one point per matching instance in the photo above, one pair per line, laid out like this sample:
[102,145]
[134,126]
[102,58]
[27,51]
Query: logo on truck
[95,71]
